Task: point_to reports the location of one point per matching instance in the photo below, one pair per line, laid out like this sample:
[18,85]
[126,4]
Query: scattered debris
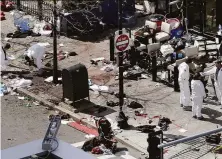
[21,98]
[36,103]
[182,130]
[89,136]
[98,88]
[4,89]
[50,79]
[61,45]
[112,104]
[20,83]
[28,105]
[65,122]
[43,44]
[164,123]
[134,105]
[137,113]
[144,76]
[146,128]
[107,68]
[90,82]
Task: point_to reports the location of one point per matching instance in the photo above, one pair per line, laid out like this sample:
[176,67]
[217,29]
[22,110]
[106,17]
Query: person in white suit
[35,52]
[184,75]
[198,94]
[4,58]
[217,71]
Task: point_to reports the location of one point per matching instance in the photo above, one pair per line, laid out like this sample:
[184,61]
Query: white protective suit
[198,94]
[183,80]
[36,52]
[4,63]
[217,83]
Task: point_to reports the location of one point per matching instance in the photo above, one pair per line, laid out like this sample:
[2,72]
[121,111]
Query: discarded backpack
[90,144]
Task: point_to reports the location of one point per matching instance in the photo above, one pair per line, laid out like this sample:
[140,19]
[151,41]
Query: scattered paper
[157,85]
[11,57]
[98,59]
[36,103]
[182,130]
[44,44]
[89,136]
[7,39]
[21,98]
[104,88]
[61,45]
[144,76]
[90,82]
[50,79]
[65,122]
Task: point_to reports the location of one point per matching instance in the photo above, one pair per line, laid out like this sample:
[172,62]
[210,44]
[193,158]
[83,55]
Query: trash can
[75,83]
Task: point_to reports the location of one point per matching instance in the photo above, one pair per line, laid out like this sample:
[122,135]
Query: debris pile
[105,142]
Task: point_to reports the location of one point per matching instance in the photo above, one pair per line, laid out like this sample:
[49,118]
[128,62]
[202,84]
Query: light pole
[55,62]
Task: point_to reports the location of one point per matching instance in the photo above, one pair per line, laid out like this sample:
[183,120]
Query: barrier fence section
[39,8]
[192,147]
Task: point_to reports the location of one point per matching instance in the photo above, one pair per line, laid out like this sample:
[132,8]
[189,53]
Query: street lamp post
[55,62]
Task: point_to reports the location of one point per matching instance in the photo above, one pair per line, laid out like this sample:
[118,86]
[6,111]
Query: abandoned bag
[134,105]
[90,144]
[104,127]
[164,123]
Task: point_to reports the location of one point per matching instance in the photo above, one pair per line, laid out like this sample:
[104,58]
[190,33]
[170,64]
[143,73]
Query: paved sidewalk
[156,98]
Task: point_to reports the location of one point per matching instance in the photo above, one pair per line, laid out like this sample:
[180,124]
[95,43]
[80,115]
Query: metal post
[121,91]
[154,68]
[18,4]
[40,9]
[190,138]
[176,75]
[55,62]
[111,48]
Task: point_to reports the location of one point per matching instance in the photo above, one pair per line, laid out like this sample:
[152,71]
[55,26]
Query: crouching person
[36,53]
[198,94]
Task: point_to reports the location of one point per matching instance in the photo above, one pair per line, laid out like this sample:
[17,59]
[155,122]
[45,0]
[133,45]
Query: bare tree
[84,16]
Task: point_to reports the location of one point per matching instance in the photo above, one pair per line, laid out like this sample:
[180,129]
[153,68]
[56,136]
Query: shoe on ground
[181,105]
[195,117]
[200,118]
[187,108]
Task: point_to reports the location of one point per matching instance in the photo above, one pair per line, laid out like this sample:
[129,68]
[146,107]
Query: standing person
[4,59]
[217,71]
[198,94]
[35,52]
[184,75]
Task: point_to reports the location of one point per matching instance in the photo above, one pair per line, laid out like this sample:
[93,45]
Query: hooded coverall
[4,61]
[217,81]
[198,94]
[183,80]
[36,52]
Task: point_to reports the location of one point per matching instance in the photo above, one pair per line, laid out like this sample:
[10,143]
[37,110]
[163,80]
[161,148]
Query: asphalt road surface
[22,122]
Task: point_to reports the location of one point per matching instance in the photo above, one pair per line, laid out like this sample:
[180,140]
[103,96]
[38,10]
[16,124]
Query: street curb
[76,117]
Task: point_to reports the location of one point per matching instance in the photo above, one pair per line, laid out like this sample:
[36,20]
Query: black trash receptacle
[75,83]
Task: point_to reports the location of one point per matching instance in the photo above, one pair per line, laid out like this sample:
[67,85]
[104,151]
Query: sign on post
[122,43]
